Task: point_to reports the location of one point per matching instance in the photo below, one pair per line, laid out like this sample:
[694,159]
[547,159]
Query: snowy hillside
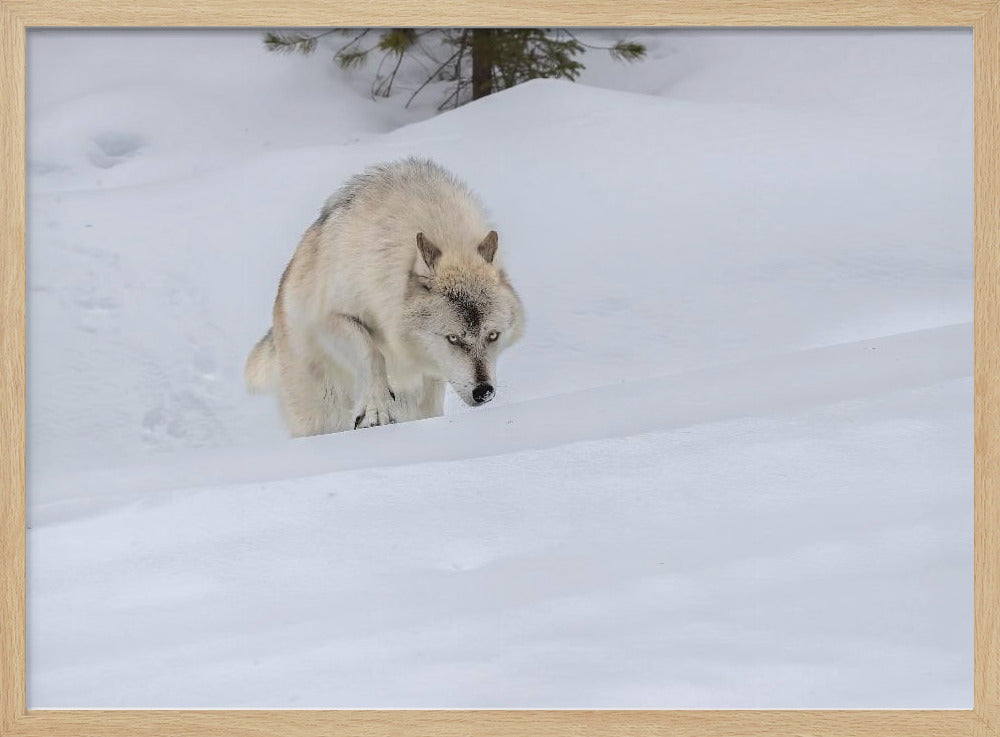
[728,466]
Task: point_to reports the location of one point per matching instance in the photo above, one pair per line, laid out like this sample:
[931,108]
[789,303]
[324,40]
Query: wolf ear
[488,248]
[428,250]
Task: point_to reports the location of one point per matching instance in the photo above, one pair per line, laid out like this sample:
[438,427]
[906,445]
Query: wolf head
[462,312]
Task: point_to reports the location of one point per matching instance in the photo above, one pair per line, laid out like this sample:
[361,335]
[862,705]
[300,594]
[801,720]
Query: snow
[728,466]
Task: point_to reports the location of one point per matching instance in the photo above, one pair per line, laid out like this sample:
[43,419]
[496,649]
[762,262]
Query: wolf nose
[482,393]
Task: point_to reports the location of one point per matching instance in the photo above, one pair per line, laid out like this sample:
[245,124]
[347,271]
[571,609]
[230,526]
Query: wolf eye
[453,339]
[493,335]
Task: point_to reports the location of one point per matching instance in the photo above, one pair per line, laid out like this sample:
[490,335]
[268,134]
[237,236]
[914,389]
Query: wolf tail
[261,367]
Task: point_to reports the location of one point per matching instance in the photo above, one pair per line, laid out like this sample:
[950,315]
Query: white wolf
[396,288]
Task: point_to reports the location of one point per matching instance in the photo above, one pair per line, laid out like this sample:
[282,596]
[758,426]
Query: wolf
[397,288]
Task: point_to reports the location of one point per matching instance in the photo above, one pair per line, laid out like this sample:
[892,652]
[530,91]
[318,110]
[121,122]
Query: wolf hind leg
[314,406]
[314,397]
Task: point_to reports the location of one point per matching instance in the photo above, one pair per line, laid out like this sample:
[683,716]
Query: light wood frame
[16,16]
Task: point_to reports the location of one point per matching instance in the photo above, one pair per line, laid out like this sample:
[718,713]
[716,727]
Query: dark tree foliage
[474,61]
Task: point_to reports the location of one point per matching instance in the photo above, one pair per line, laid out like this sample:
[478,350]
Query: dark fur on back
[343,198]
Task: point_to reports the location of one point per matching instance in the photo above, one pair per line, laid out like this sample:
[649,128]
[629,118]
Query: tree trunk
[482,62]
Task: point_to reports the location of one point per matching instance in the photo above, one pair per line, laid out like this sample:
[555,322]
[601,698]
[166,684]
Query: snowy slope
[722,231]
[630,572]
[729,465]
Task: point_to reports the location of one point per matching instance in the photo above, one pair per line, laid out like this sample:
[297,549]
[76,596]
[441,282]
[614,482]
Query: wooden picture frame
[983,16]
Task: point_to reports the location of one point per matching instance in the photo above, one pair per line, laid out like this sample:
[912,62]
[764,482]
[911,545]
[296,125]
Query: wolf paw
[373,418]
[375,413]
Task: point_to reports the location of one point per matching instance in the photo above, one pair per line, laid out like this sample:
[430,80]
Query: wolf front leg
[350,343]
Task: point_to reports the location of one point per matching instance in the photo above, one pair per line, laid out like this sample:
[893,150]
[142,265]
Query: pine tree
[476,61]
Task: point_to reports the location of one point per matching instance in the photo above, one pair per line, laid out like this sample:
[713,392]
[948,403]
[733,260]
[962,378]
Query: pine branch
[627,51]
[622,50]
[288,42]
[397,40]
[350,58]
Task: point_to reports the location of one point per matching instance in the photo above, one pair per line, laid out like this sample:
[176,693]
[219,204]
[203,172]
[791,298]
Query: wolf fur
[395,289]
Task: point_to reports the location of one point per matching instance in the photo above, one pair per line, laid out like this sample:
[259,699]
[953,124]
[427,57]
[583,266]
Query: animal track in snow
[179,419]
[112,148]
[42,168]
[97,304]
[95,312]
